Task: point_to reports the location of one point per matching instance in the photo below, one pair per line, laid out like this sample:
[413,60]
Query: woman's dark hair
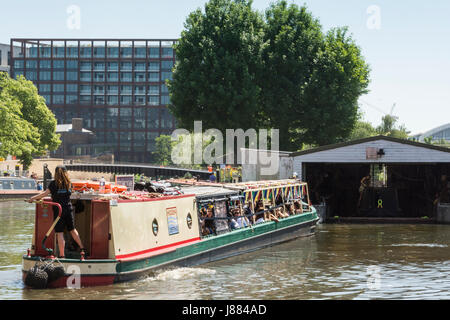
[62,178]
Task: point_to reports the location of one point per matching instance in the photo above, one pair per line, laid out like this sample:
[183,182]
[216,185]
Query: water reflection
[339,262]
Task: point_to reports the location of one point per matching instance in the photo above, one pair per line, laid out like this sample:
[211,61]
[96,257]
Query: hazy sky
[406,43]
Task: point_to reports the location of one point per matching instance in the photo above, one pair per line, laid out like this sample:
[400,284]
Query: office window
[153,89]
[153,100]
[166,119]
[153,118]
[139,100]
[18,64]
[113,52]
[125,141]
[125,100]
[45,75]
[153,52]
[112,76]
[72,87]
[45,87]
[139,118]
[112,116]
[85,89]
[167,52]
[165,100]
[85,100]
[113,66]
[58,52]
[112,100]
[85,66]
[98,118]
[45,64]
[58,75]
[59,114]
[72,76]
[167,64]
[112,90]
[72,52]
[99,76]
[58,64]
[46,98]
[99,52]
[71,64]
[44,52]
[99,66]
[164,88]
[125,66]
[71,99]
[31,64]
[153,66]
[99,100]
[126,118]
[139,66]
[85,52]
[139,90]
[125,76]
[126,52]
[58,87]
[32,53]
[139,76]
[58,99]
[139,139]
[99,89]
[125,90]
[139,52]
[153,76]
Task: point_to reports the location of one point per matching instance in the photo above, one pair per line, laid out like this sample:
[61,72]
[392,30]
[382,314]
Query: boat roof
[264,184]
[209,191]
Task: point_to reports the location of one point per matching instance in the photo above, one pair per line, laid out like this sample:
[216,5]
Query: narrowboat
[17,187]
[132,234]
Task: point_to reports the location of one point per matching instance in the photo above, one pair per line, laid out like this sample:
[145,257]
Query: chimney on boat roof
[77,124]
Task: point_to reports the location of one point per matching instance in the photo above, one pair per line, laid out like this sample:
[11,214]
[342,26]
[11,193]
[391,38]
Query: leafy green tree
[313,80]
[236,69]
[218,61]
[362,130]
[27,126]
[163,150]
[388,127]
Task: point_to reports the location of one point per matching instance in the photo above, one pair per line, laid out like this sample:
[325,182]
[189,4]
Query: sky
[405,42]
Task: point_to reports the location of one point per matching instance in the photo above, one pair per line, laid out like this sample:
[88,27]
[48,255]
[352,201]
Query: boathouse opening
[377,177]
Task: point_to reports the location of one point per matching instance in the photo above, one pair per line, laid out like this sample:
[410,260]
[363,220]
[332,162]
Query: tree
[27,126]
[388,127]
[218,60]
[362,130]
[236,69]
[163,150]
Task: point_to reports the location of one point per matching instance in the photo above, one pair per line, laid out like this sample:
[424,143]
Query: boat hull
[104,272]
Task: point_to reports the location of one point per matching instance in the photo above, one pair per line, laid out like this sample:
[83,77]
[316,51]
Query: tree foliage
[239,69]
[27,126]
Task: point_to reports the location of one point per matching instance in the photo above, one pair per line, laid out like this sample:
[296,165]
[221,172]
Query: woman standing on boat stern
[60,190]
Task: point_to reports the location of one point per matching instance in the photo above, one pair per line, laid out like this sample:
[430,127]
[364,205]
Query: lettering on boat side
[229,310]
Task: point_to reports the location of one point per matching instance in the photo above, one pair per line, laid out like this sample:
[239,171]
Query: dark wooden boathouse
[407,181]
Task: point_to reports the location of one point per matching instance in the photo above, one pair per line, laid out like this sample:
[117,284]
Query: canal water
[338,262]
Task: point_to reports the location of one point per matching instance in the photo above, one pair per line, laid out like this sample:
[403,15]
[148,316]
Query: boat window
[189,220]
[155,227]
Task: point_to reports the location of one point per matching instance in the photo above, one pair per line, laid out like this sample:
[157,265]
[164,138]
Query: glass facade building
[117,86]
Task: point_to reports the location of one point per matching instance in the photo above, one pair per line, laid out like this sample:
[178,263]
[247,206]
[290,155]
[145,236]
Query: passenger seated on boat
[298,207]
[241,219]
[272,216]
[209,222]
[249,213]
[280,214]
[259,212]
[233,221]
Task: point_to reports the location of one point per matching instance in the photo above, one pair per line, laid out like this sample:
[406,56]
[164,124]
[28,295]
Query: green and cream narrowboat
[132,234]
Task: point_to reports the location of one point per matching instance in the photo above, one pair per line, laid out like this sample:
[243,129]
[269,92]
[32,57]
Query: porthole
[155,227]
[189,220]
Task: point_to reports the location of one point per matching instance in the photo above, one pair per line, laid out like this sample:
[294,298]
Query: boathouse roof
[391,150]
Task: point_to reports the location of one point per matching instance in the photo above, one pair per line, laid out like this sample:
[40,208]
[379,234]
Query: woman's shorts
[66,220]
